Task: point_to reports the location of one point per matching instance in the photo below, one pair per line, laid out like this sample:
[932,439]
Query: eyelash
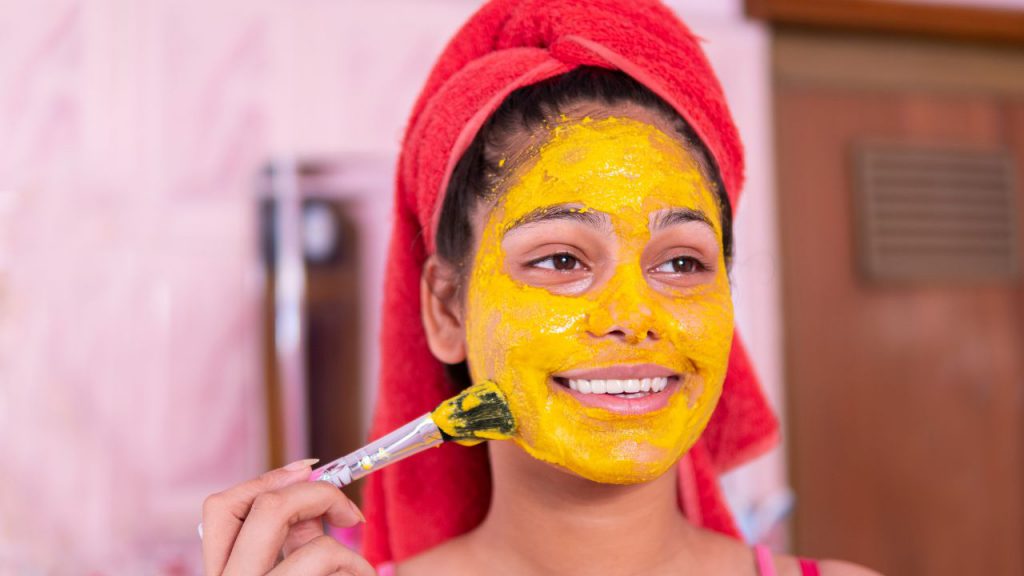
[536,263]
[698,265]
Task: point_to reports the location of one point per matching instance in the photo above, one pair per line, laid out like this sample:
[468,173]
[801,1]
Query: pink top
[765,564]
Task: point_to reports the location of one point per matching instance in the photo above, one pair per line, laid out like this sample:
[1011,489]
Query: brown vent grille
[936,214]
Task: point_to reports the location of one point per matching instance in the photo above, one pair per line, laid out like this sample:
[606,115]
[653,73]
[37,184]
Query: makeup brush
[479,413]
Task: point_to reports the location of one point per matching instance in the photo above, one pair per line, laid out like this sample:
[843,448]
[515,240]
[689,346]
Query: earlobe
[442,311]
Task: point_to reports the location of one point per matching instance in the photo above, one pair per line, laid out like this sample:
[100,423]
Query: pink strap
[808,567]
[765,564]
[386,569]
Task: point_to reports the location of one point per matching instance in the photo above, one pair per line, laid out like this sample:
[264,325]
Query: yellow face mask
[599,300]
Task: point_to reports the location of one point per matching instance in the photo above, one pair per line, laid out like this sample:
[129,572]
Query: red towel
[508,44]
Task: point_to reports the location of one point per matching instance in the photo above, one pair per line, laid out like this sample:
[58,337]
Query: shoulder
[786,565]
[840,568]
[449,557]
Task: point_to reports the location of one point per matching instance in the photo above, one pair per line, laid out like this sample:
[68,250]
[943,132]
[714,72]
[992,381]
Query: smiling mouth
[622,388]
[625,391]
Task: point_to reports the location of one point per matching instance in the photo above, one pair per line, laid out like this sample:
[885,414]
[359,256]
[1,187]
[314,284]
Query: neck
[543,520]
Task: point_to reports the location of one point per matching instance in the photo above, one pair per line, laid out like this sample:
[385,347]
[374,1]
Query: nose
[631,330]
[624,311]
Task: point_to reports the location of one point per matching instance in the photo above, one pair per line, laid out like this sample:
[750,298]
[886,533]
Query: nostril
[634,328]
[631,336]
[624,335]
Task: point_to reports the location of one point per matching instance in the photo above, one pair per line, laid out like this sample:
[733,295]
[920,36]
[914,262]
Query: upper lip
[620,372]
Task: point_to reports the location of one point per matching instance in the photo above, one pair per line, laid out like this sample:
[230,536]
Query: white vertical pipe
[289,306]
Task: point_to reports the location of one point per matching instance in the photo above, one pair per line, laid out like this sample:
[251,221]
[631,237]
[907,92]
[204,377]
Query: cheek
[703,326]
[704,331]
[518,328]
[515,327]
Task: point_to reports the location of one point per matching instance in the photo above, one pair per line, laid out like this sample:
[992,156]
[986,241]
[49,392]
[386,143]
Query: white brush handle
[413,438]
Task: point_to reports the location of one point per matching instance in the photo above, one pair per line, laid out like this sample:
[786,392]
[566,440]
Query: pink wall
[129,368]
[130,132]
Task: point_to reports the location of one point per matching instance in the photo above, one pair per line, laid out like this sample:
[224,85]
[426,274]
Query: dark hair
[526,110]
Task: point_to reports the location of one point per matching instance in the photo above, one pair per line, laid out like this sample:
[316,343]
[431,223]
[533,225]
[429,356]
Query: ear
[442,311]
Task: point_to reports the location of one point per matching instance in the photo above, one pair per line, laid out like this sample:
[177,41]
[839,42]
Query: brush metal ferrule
[412,438]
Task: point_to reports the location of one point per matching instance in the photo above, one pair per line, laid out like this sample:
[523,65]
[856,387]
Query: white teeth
[631,388]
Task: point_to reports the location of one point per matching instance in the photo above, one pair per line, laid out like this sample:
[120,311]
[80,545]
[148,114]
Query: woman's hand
[247,528]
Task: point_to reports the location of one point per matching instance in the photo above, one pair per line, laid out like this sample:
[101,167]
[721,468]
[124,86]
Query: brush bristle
[479,413]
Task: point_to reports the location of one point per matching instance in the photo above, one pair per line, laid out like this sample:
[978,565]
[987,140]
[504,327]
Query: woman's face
[599,300]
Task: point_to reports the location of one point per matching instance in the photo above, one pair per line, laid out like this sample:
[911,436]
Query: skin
[579,491]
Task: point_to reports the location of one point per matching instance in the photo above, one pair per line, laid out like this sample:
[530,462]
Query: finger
[306,530]
[301,533]
[322,556]
[224,512]
[274,513]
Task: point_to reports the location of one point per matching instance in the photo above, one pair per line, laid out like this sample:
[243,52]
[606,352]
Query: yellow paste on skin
[519,335]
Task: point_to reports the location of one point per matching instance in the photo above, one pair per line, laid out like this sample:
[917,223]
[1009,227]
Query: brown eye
[562,262]
[681,265]
[684,264]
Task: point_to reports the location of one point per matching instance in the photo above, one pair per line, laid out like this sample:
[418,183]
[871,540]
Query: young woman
[578,256]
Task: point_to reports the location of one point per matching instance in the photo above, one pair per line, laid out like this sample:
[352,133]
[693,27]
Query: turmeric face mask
[599,300]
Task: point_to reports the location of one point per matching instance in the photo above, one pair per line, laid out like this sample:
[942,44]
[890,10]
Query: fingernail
[357,511]
[301,464]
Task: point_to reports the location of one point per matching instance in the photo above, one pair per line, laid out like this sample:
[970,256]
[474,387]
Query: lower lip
[624,406]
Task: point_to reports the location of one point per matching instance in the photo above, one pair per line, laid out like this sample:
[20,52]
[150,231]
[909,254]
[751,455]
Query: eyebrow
[586,216]
[674,216]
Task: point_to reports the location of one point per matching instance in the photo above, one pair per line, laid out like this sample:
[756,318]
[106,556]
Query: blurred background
[194,207]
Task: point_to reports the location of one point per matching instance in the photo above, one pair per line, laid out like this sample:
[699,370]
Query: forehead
[621,165]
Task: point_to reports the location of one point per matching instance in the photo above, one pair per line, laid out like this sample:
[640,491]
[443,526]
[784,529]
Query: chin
[627,464]
[630,478]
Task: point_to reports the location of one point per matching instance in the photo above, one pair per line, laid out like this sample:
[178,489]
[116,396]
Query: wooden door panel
[904,398]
